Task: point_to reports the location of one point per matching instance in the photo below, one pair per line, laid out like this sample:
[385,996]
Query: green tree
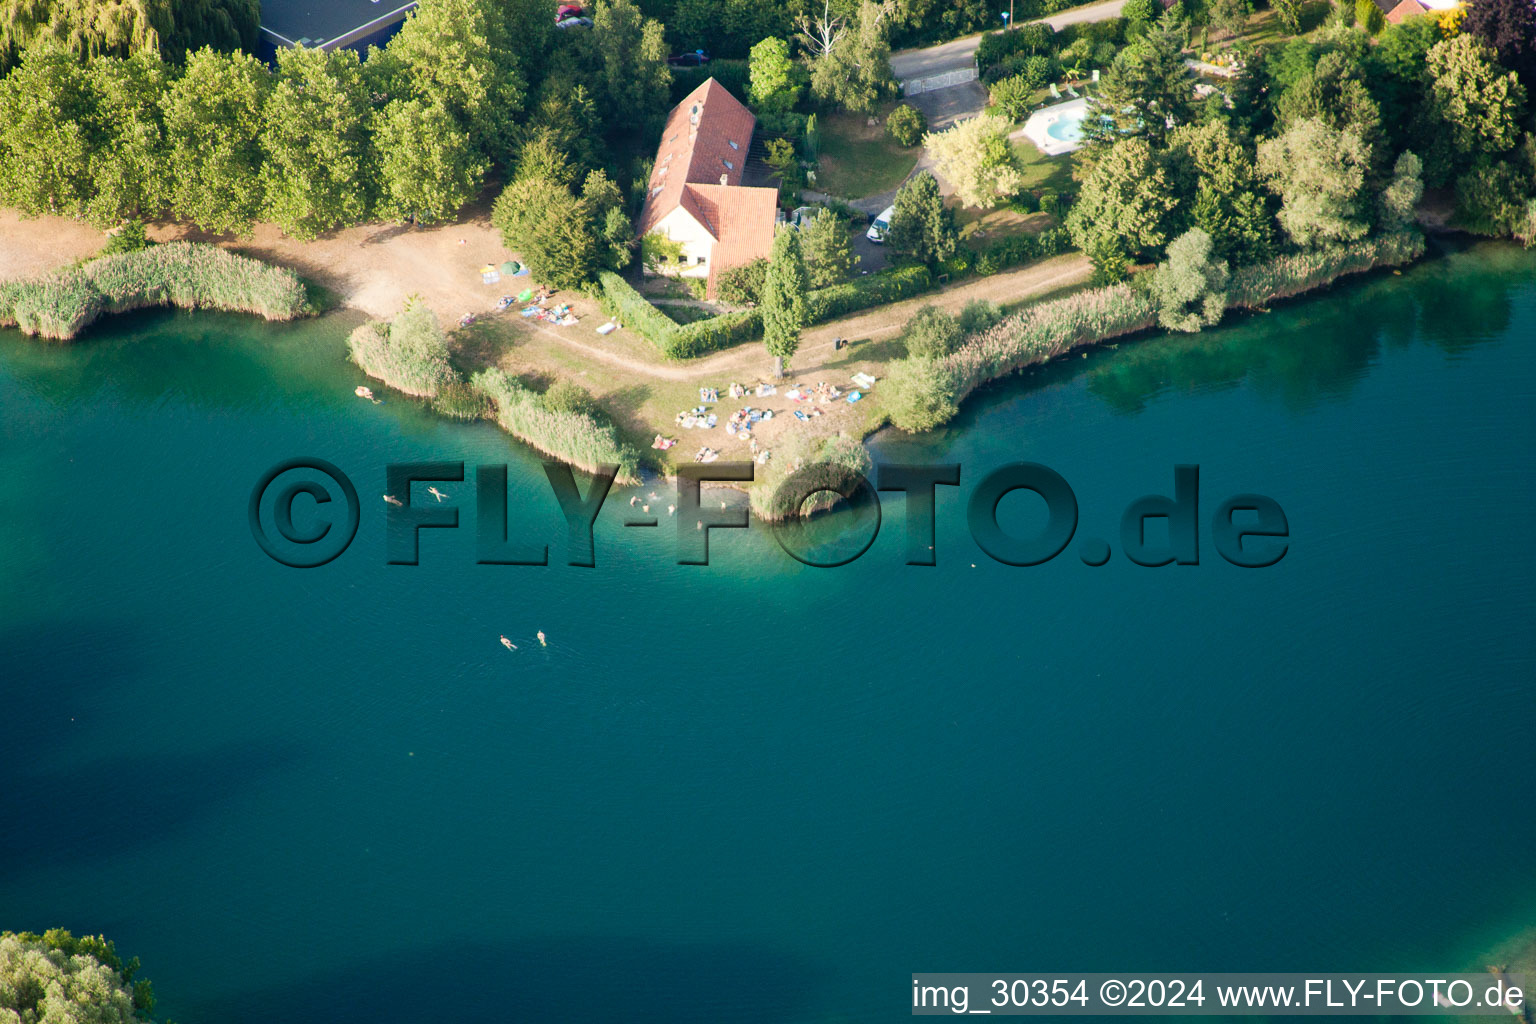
[129,168]
[91,28]
[1124,205]
[602,204]
[1229,201]
[1400,198]
[1231,16]
[828,249]
[851,62]
[1013,96]
[213,119]
[47,108]
[1369,17]
[973,155]
[60,979]
[1146,92]
[1394,71]
[1319,173]
[628,52]
[1334,91]
[428,167]
[565,116]
[314,132]
[1474,101]
[783,302]
[919,394]
[1190,287]
[906,124]
[1289,12]
[456,54]
[775,85]
[1140,12]
[922,227]
[932,333]
[1509,27]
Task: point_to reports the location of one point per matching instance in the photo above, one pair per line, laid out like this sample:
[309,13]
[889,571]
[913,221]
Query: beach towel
[801,416]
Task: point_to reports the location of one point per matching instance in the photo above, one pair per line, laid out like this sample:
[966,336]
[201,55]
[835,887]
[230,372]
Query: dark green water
[759,792]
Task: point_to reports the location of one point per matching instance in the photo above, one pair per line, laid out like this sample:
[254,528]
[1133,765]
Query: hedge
[187,275]
[686,341]
[864,292]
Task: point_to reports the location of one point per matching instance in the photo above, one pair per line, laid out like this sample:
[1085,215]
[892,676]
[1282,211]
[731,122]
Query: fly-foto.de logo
[305,513]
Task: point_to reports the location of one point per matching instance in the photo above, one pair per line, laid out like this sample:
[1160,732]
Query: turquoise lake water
[755,791]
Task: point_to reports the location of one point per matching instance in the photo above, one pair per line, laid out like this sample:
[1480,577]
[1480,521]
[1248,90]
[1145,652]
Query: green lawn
[1041,171]
[858,160]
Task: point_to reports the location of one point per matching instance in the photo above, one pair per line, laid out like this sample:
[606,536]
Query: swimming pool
[1058,129]
[1068,127]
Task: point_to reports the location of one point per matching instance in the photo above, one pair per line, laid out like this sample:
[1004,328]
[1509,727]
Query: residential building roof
[705,141]
[700,164]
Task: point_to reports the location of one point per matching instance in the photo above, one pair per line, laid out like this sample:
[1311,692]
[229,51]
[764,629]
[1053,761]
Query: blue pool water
[1068,127]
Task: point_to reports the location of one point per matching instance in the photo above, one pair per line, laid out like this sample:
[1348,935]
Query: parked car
[698,58]
[880,225]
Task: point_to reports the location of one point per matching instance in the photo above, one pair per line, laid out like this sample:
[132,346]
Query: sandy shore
[372,267]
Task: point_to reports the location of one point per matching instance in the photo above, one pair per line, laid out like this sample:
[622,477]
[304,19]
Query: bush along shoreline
[575,436]
[186,275]
[923,393]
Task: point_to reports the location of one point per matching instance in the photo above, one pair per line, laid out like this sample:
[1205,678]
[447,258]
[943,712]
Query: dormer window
[656,191]
[733,143]
[728,165]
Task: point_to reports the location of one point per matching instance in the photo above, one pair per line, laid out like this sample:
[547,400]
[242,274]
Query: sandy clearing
[372,267]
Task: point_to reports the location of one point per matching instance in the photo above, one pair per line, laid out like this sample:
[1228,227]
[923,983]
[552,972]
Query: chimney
[725,179]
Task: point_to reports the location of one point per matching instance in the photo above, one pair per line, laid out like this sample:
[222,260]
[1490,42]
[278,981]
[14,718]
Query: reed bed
[186,275]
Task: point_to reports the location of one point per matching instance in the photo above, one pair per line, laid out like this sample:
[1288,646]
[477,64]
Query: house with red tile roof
[696,196]
[1397,10]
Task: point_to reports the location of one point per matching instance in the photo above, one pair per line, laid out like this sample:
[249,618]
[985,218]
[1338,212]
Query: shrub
[128,238]
[564,396]
[56,977]
[1012,96]
[578,438]
[931,333]
[1190,287]
[409,353]
[802,450]
[186,275]
[918,394]
[978,315]
[906,124]
[742,285]
[1051,203]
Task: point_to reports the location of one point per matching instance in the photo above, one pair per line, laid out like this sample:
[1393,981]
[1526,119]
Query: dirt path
[816,343]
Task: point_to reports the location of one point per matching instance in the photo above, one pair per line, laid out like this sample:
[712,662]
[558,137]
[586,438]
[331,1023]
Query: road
[961,53]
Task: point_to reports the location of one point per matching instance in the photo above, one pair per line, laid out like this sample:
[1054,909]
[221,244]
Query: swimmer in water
[543,642]
[393,500]
[508,644]
[439,495]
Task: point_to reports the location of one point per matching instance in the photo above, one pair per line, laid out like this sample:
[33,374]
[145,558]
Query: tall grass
[578,438]
[922,394]
[187,275]
[409,353]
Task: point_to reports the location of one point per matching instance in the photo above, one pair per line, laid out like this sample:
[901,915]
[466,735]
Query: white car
[880,225]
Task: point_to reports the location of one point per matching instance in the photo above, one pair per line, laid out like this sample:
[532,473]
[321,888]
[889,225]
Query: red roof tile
[707,136]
